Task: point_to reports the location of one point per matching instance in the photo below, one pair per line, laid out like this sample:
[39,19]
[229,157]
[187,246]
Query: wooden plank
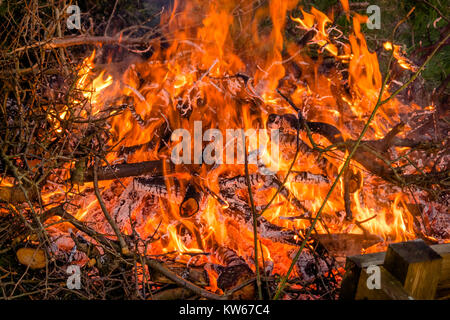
[443,289]
[354,266]
[390,288]
[444,251]
[416,266]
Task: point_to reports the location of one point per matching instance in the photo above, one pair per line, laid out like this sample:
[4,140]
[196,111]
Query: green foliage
[422,29]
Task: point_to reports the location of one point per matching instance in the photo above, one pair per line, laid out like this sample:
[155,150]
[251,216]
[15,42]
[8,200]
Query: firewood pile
[88,177]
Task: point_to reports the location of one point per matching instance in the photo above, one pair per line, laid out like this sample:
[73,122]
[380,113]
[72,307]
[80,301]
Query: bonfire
[235,150]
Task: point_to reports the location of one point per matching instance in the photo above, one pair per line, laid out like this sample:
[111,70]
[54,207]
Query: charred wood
[235,273]
[125,170]
[157,186]
[191,201]
[239,182]
[172,294]
[240,210]
[256,179]
[195,274]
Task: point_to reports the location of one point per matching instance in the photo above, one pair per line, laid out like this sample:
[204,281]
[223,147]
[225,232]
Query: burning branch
[125,170]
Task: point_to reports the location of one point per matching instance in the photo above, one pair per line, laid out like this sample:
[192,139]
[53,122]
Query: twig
[112,223]
[83,40]
[255,220]
[437,10]
[110,17]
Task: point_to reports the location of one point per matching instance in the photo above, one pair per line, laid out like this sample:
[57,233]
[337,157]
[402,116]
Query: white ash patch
[308,267]
[309,178]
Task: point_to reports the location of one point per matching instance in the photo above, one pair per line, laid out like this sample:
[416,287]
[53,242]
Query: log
[337,244]
[289,123]
[191,201]
[172,294]
[157,186]
[235,273]
[235,276]
[288,145]
[240,210]
[416,266]
[239,182]
[125,170]
[304,177]
[227,256]
[195,274]
[158,267]
[347,200]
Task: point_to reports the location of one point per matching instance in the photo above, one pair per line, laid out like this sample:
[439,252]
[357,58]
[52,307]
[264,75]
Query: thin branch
[112,223]
[83,40]
[255,220]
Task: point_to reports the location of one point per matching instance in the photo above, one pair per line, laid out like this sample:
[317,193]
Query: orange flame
[197,69]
